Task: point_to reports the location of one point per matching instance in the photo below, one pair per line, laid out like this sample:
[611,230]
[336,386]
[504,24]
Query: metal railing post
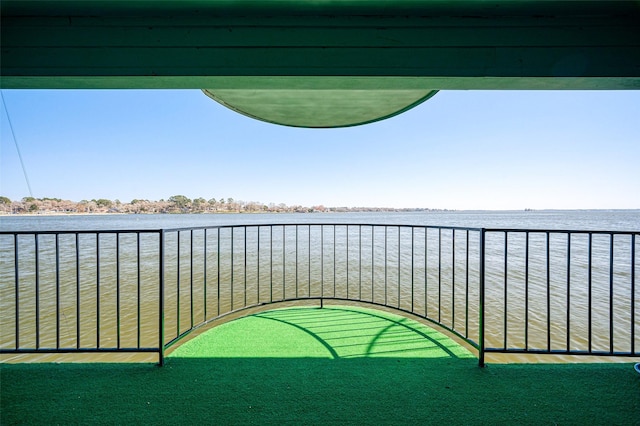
[161,300]
[633,291]
[17,289]
[482,297]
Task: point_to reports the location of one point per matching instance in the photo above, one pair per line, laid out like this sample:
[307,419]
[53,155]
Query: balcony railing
[501,290]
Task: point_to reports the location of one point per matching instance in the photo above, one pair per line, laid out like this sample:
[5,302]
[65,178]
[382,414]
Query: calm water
[78,318]
[605,220]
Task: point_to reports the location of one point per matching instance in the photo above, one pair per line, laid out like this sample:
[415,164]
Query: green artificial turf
[335,365]
[331,332]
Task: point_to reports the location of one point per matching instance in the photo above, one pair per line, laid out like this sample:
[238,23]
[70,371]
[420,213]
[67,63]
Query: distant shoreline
[340,210]
[179,204]
[328,210]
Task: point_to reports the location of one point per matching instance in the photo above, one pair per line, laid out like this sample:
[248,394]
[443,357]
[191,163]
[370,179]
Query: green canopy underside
[320,108]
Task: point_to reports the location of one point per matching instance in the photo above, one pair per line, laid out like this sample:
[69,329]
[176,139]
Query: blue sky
[460,150]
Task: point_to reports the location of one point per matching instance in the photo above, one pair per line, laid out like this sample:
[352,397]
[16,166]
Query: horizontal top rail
[559,231]
[257,225]
[86,231]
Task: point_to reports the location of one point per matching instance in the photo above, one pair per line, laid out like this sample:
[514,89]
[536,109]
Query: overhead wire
[15,141]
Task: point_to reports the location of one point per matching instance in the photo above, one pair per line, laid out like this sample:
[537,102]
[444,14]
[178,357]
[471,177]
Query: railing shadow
[336,332]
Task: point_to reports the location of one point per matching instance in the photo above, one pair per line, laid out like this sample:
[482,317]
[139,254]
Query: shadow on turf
[365,332]
[335,332]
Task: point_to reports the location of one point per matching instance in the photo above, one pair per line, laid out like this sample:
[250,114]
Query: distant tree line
[173,204]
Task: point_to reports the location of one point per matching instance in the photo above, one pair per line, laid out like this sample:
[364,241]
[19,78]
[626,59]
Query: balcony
[501,291]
